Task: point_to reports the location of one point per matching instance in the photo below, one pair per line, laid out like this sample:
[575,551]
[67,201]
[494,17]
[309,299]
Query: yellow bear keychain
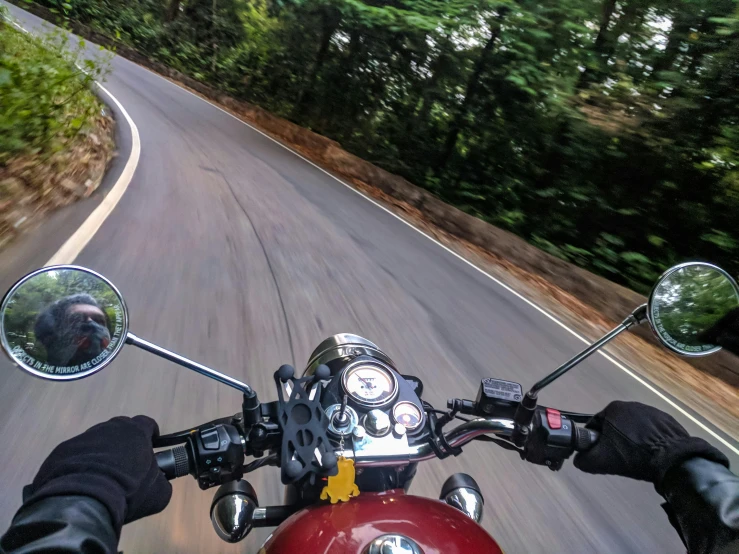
[341,486]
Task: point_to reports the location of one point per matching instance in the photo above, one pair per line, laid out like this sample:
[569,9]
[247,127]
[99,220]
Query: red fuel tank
[349,527]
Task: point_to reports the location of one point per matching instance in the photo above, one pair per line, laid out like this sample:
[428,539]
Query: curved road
[232,250]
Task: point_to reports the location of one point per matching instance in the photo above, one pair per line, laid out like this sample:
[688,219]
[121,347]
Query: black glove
[112,462]
[641,442]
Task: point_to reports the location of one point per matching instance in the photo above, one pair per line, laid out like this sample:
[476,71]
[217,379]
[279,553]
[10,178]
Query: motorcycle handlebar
[584,439]
[174,462]
[177,462]
[502,428]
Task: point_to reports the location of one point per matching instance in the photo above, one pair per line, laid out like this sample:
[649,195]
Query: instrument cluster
[375,413]
[378,401]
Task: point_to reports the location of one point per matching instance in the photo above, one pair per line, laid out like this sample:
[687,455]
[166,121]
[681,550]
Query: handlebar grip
[585,438]
[174,462]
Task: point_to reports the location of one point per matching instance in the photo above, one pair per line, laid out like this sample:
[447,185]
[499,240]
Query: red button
[554,418]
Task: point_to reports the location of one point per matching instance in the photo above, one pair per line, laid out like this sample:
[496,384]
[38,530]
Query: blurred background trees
[603,131]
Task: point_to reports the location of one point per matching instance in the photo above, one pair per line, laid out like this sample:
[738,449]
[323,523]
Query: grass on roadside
[55,137]
[45,98]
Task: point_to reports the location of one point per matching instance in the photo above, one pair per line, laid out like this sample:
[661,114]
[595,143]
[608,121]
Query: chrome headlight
[338,350]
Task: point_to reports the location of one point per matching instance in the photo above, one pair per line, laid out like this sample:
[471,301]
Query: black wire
[499,442]
[260,462]
[428,408]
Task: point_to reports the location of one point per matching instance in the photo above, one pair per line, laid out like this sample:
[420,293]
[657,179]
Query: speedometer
[370,384]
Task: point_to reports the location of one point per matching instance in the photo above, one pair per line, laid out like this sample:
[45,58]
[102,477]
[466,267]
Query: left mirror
[63,323]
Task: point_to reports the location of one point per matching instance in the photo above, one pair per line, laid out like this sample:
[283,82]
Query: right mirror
[694,309]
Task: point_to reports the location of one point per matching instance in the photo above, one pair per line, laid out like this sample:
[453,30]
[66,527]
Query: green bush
[44,96]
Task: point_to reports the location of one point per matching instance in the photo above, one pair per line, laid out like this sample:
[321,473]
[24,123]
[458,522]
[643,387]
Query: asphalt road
[232,250]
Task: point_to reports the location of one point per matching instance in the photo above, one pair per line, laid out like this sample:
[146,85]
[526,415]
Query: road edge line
[72,247]
[84,233]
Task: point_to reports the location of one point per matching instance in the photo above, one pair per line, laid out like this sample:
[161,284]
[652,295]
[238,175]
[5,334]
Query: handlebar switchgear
[554,437]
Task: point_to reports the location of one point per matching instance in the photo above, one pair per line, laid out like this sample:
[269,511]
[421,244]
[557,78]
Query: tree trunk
[215,39]
[330,24]
[609,7]
[423,108]
[680,29]
[346,112]
[695,56]
[173,10]
[473,85]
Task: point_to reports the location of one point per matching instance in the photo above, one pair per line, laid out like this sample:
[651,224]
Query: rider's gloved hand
[641,442]
[112,462]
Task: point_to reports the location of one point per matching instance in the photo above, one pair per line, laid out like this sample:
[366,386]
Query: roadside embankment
[56,137]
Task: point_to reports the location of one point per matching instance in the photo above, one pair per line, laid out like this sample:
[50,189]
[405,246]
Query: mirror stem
[637,316]
[525,410]
[185,362]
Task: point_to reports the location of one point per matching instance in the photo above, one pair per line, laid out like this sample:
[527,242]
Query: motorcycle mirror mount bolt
[251,408]
[523,417]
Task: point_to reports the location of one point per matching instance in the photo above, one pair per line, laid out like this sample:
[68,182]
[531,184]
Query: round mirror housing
[694,309]
[63,323]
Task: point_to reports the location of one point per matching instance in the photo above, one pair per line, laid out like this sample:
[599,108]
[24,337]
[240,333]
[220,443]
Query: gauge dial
[370,384]
[408,415]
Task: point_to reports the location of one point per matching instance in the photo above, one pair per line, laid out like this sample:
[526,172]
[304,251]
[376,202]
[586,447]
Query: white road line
[453,253]
[82,236]
[20,28]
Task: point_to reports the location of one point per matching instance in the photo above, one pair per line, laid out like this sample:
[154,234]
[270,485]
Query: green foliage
[689,303]
[44,97]
[604,131]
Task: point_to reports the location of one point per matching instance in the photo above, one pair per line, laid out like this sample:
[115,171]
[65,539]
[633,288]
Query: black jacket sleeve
[61,525]
[703,505]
